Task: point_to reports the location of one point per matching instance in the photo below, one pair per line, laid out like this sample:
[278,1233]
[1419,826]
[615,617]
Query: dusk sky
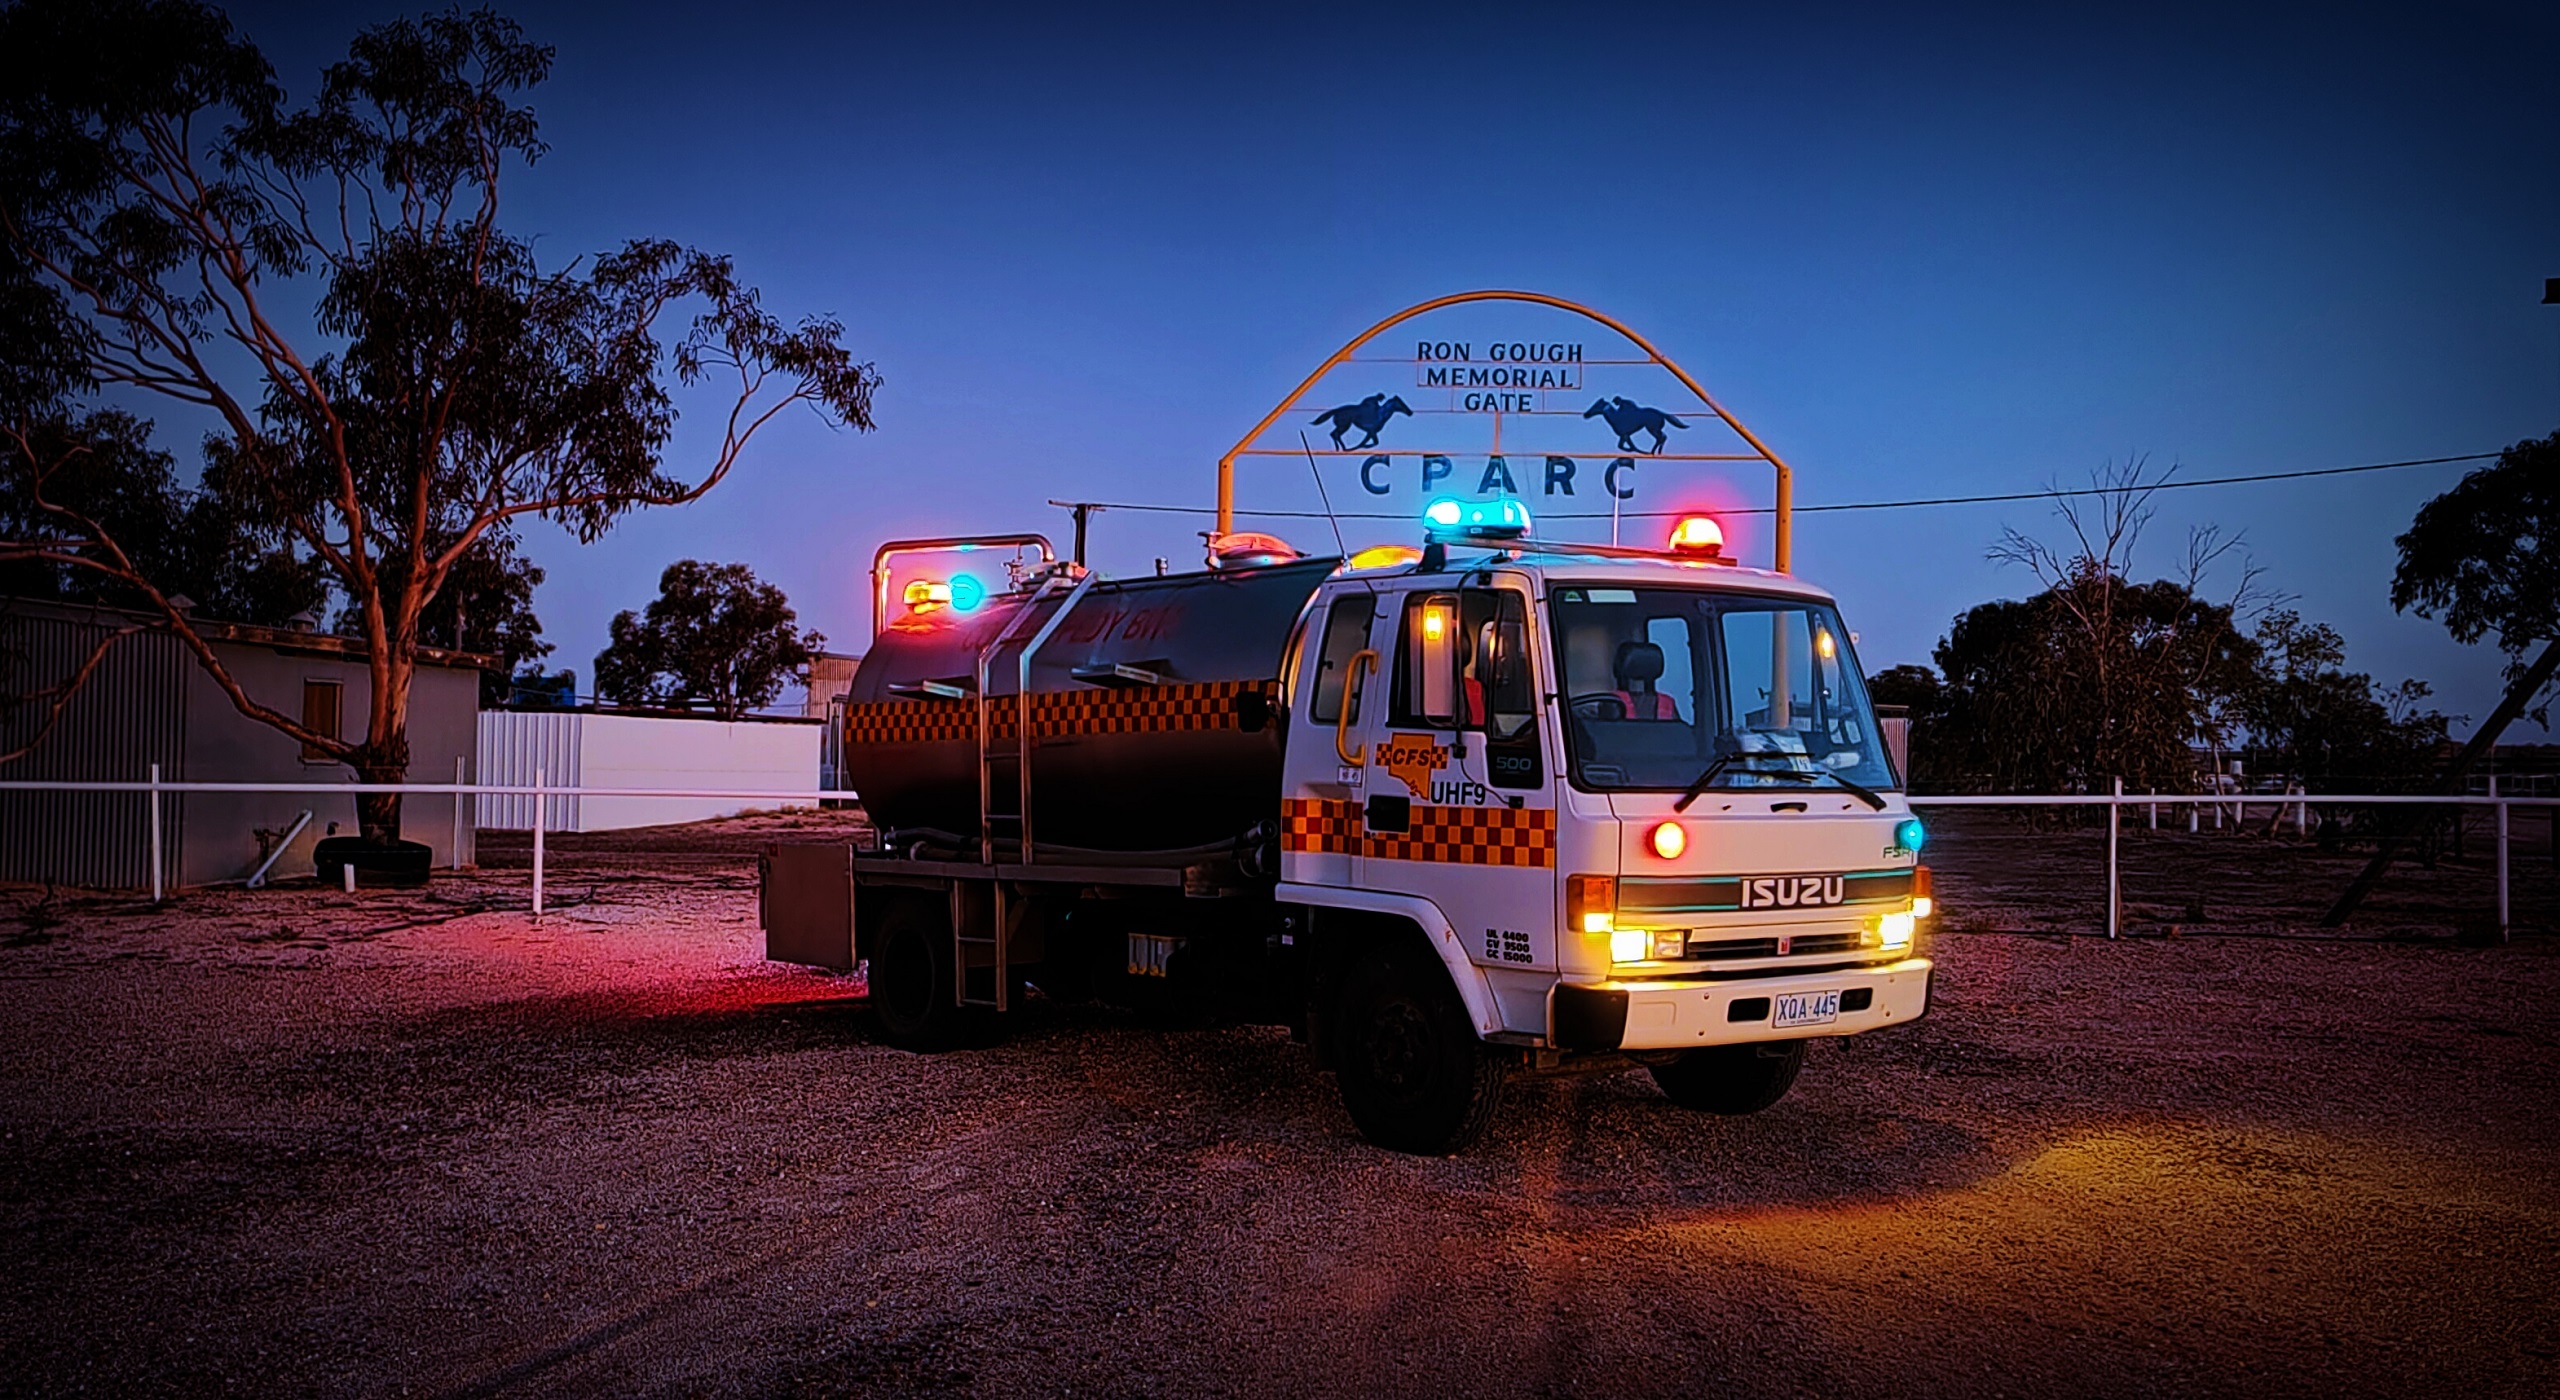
[1919,256]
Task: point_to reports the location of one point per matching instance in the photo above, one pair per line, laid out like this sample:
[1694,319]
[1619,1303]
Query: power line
[1848,505]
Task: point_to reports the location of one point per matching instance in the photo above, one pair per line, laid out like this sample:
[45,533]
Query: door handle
[1365,657]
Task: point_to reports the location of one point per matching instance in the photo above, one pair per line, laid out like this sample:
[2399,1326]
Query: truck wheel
[1413,1074]
[1732,1078]
[911,978]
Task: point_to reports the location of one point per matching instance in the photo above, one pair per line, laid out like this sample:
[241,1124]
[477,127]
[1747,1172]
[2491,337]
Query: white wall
[642,751]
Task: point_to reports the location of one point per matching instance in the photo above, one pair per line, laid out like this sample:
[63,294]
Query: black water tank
[1179,748]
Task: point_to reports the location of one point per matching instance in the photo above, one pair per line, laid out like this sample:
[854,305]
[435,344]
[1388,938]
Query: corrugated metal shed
[89,838]
[150,701]
[514,744]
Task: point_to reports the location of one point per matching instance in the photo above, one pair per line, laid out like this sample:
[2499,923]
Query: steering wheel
[1598,707]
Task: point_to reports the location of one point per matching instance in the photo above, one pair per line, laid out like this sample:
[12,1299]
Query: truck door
[1460,804]
[1338,695]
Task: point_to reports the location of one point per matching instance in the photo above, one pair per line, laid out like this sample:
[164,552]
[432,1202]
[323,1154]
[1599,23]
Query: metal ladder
[989,755]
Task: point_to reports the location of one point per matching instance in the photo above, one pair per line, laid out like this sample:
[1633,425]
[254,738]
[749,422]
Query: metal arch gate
[1784,550]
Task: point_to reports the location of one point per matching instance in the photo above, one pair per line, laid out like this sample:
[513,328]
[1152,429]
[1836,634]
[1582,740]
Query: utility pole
[1082,510]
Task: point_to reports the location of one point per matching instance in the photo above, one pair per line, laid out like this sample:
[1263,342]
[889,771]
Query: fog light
[1670,943]
[1669,840]
[1894,930]
[1628,945]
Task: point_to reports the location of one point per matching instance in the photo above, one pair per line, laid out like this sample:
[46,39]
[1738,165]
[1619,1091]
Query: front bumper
[1673,1013]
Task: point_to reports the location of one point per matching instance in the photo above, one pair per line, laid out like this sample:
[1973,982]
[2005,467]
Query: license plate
[1807,1009]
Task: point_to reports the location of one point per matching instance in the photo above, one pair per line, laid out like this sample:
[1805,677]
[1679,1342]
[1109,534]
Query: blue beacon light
[1504,518]
[966,592]
[1910,834]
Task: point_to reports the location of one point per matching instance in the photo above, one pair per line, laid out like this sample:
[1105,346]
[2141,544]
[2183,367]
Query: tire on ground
[911,971]
[1412,1072]
[1732,1079]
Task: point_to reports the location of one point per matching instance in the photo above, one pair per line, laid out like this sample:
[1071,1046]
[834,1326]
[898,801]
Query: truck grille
[1798,946]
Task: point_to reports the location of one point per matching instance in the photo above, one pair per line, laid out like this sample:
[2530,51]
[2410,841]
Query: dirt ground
[422,1143]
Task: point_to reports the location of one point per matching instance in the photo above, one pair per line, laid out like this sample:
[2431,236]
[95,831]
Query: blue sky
[1921,255]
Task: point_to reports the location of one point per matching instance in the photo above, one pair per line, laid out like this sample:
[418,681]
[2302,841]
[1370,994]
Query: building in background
[600,749]
[150,702]
[830,677]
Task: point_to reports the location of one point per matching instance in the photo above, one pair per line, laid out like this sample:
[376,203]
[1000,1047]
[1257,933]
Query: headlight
[1628,945]
[1894,930]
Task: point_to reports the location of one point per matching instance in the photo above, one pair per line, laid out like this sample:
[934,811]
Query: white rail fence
[2115,803]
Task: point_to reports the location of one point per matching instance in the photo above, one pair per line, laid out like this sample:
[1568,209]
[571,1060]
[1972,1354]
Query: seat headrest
[1639,661]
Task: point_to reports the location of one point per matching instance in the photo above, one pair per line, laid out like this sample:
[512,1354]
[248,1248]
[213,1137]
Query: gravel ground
[423,1143]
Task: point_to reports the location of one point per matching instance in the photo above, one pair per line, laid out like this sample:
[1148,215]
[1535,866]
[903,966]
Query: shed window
[323,702]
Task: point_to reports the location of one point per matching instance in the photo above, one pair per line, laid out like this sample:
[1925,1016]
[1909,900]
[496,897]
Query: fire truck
[1451,812]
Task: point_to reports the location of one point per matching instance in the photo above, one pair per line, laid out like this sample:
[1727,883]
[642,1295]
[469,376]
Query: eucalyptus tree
[2486,557]
[394,376]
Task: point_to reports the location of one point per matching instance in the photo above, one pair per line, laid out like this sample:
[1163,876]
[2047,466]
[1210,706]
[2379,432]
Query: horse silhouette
[1368,415]
[1630,418]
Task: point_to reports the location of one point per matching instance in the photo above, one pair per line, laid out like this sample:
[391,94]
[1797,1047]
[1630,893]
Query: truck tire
[911,973]
[1413,1074]
[1732,1079]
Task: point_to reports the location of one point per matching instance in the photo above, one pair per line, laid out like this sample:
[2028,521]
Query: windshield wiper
[1699,786]
[1862,794]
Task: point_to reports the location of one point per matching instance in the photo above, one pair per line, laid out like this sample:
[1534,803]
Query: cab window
[1462,663]
[1346,633]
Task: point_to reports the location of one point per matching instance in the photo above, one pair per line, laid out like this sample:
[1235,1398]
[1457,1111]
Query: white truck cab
[1635,804]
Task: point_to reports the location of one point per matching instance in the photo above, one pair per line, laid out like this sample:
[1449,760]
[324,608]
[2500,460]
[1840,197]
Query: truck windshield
[1659,683]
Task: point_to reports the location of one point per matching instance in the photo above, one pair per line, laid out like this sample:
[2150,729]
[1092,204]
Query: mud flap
[804,900]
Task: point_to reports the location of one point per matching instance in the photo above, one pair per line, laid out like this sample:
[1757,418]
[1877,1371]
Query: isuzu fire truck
[1487,806]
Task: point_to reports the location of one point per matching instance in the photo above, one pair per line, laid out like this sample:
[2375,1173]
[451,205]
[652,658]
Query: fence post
[457,812]
[541,819]
[2115,890]
[2194,812]
[2301,813]
[2502,857]
[2155,809]
[155,833]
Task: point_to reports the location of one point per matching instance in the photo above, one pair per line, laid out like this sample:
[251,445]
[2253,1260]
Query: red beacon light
[1699,537]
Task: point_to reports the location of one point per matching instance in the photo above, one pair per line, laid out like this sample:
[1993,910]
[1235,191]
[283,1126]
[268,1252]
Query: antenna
[1323,495]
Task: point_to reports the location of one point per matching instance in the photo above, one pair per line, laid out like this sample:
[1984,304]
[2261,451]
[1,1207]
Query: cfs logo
[1412,758]
[1791,891]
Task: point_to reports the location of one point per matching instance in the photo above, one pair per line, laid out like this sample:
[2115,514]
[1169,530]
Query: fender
[1469,979]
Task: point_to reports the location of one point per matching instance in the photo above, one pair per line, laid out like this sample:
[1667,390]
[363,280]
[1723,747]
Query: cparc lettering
[1617,478]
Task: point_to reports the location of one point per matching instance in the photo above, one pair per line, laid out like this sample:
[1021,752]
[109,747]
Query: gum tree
[2486,557]
[395,377]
